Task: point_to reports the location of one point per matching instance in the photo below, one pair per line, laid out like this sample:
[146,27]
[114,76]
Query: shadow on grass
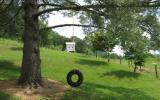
[121,74]
[17,48]
[91,62]
[91,91]
[8,70]
[4,96]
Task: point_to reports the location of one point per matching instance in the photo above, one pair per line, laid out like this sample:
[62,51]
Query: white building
[70,46]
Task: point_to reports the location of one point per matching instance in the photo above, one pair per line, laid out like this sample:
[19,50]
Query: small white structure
[70,46]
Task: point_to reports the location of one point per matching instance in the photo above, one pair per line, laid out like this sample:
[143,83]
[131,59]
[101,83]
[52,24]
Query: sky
[58,19]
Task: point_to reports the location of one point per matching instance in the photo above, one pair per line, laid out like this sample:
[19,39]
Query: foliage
[11,28]
[52,39]
[119,16]
[103,81]
[150,24]
[136,52]
[103,41]
[80,44]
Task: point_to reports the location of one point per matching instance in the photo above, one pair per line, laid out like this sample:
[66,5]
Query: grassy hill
[102,80]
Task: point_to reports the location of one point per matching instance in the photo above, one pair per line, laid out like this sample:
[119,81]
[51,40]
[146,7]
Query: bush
[58,47]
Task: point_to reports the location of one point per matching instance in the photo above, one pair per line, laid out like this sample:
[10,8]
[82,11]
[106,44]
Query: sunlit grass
[102,80]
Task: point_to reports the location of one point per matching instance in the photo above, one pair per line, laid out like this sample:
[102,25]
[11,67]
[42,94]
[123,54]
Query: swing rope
[73,26]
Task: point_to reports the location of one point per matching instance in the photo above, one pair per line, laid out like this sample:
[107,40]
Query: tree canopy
[125,19]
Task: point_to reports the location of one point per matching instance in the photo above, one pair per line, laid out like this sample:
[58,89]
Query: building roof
[70,43]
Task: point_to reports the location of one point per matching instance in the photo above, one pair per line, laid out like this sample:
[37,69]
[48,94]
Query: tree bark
[135,68]
[109,57]
[96,54]
[30,71]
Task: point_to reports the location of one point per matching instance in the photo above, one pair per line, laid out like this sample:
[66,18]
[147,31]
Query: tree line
[48,38]
[123,20]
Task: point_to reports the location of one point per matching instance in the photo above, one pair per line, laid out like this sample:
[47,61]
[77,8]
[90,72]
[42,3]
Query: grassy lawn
[4,96]
[102,80]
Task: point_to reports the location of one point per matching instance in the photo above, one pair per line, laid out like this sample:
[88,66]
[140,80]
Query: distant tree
[136,49]
[13,28]
[150,24]
[103,41]
[51,39]
[80,44]
[100,12]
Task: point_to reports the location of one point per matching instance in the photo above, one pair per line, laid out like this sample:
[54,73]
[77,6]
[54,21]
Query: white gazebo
[70,46]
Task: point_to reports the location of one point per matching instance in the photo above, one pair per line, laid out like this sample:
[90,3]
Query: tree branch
[64,25]
[11,19]
[55,5]
[7,6]
[72,3]
[49,4]
[76,8]
[1,2]
[87,9]
[84,7]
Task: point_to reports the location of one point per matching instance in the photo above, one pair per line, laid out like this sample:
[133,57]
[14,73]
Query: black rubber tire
[78,82]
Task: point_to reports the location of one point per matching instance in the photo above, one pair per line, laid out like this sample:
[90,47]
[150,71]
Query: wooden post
[156,71]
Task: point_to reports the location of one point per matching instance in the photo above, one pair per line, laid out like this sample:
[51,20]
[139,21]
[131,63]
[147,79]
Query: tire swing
[70,46]
[76,83]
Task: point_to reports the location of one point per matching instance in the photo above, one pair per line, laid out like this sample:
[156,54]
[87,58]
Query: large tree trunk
[31,71]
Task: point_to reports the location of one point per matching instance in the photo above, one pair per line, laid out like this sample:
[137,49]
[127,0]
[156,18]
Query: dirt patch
[52,89]
[149,69]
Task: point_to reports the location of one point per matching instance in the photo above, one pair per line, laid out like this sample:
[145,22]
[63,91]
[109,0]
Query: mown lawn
[102,80]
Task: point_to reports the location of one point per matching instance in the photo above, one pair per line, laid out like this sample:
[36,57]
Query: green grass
[102,80]
[4,96]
